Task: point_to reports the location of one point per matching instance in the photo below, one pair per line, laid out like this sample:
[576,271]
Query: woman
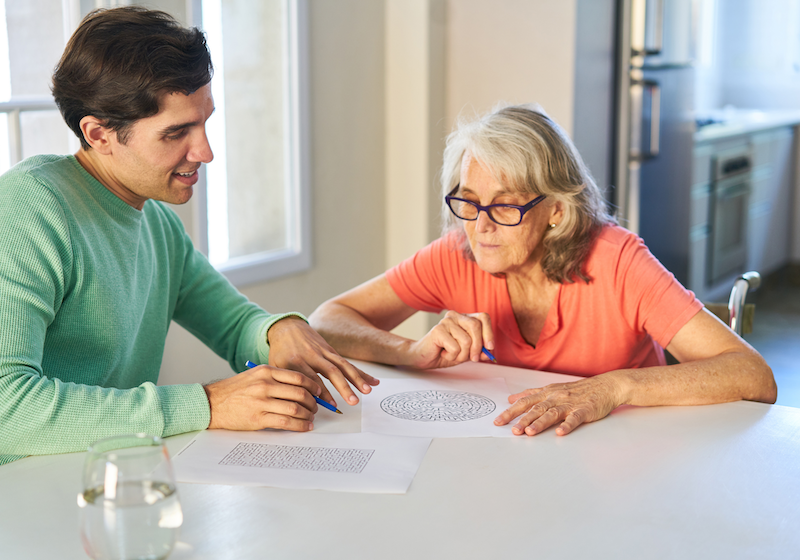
[532,268]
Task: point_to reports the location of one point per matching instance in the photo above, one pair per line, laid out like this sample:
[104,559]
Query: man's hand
[296,346]
[457,338]
[572,404]
[263,397]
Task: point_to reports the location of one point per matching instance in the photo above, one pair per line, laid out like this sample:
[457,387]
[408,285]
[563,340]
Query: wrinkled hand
[296,346]
[572,404]
[263,397]
[455,339]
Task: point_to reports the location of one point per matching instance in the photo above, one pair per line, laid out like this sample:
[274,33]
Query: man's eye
[177,136]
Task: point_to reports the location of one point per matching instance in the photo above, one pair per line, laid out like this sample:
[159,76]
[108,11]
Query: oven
[730,193]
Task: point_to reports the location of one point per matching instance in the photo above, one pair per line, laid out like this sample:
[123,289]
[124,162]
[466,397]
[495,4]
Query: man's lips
[187,178]
[186,174]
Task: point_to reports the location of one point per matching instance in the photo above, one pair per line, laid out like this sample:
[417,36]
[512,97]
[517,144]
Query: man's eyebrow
[172,129]
[177,127]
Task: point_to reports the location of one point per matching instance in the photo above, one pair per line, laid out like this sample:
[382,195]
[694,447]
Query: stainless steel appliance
[655,126]
[730,194]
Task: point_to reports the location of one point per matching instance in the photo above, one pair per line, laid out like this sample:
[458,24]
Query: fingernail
[366,388]
[530,431]
[310,426]
[353,399]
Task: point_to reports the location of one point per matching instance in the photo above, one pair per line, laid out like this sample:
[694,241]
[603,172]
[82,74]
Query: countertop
[733,122]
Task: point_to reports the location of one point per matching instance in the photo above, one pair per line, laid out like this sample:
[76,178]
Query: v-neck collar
[509,325]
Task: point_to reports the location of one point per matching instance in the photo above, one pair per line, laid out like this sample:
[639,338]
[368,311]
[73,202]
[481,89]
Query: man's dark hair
[120,61]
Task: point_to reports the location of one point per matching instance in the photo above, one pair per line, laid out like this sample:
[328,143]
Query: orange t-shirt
[623,318]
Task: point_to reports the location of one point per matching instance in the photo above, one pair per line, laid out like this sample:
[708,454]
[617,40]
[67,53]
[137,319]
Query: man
[94,267]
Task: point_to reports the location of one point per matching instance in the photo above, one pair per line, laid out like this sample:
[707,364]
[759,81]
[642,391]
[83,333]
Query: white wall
[415,31]
[516,51]
[347,128]
[757,55]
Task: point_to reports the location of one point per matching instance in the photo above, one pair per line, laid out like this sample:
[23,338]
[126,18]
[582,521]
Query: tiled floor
[776,333]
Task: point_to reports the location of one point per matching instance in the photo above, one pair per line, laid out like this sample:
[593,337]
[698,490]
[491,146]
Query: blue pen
[320,402]
[489,354]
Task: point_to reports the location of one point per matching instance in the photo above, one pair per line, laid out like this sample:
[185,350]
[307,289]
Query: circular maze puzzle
[437,406]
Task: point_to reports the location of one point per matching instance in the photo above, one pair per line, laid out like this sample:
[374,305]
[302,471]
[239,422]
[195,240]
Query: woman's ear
[96,135]
[556,213]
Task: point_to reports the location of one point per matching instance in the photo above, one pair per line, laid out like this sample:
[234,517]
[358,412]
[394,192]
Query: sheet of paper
[358,462]
[436,407]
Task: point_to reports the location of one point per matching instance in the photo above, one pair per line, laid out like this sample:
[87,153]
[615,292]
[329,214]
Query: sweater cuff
[263,350]
[185,408]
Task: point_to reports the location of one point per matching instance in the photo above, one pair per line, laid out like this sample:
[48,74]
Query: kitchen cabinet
[770,200]
[699,228]
[769,205]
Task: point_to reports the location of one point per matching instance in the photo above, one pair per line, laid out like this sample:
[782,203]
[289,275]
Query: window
[256,202]
[29,120]
[253,200]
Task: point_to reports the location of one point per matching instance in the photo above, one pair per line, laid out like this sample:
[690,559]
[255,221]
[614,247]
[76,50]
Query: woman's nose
[483,222]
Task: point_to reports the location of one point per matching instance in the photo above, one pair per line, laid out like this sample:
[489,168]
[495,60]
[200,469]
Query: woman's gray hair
[526,151]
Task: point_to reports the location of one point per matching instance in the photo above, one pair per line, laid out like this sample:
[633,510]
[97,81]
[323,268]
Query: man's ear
[96,135]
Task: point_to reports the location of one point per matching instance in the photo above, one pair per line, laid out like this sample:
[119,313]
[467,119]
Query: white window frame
[296,257]
[14,108]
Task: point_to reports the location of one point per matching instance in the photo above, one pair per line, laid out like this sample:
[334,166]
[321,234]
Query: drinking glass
[129,506]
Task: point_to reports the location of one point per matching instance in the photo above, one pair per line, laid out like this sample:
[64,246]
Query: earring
[552,226]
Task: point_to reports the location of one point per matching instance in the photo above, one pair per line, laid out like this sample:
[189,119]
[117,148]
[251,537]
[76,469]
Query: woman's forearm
[353,336]
[731,376]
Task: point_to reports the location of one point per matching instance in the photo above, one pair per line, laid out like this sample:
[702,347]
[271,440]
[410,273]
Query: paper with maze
[359,462]
[436,407]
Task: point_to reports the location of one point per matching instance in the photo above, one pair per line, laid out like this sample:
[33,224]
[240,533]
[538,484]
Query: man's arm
[238,330]
[54,351]
[263,397]
[296,346]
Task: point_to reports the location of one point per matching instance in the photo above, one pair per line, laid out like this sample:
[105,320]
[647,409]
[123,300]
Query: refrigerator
[655,125]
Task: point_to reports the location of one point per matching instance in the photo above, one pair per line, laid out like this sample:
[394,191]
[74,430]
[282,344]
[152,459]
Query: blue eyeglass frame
[522,209]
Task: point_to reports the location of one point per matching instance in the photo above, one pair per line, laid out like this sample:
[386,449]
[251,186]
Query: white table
[719,481]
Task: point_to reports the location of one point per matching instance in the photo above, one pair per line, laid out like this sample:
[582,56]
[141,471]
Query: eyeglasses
[501,214]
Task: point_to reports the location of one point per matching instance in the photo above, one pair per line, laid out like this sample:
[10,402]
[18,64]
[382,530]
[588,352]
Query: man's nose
[201,150]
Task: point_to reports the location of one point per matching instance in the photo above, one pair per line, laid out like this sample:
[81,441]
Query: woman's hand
[572,404]
[456,339]
[296,346]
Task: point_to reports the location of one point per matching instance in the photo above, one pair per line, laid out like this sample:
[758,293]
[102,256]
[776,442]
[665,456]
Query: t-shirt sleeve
[652,299]
[426,280]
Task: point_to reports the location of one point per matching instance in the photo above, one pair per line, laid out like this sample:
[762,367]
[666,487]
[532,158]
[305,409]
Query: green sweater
[88,288]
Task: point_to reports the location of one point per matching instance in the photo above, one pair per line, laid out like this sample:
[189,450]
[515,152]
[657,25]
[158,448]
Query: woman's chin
[490,265]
